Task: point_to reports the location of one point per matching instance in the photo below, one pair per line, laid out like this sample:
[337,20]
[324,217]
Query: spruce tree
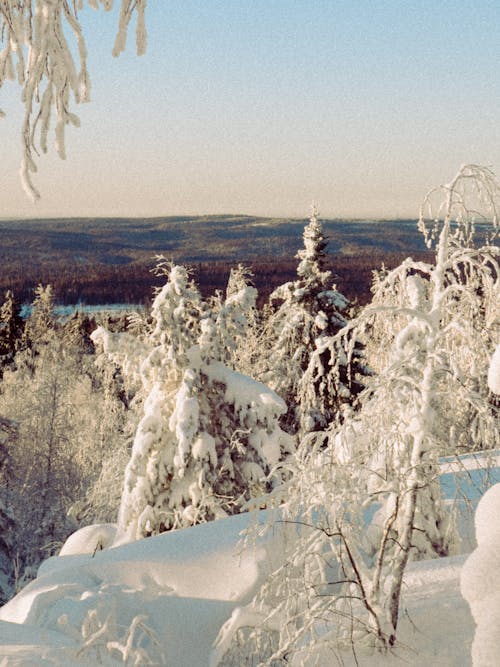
[41,324]
[209,435]
[11,329]
[307,364]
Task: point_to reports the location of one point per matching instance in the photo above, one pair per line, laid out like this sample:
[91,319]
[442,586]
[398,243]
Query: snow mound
[494,372]
[479,581]
[487,517]
[162,599]
[89,539]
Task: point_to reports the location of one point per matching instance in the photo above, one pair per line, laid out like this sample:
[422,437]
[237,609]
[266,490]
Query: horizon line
[10,218]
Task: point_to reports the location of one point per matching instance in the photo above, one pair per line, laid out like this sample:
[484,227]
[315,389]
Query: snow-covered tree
[461,291]
[41,324]
[39,40]
[11,329]
[75,333]
[8,523]
[7,533]
[304,364]
[370,500]
[238,321]
[111,442]
[209,435]
[59,445]
[42,471]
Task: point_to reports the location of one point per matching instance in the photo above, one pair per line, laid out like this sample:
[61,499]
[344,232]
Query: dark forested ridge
[109,260]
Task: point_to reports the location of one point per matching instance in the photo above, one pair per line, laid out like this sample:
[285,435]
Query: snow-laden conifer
[8,519]
[311,370]
[41,323]
[11,329]
[209,436]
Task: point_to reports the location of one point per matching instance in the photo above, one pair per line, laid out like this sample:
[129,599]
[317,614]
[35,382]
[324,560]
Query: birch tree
[62,435]
[370,501]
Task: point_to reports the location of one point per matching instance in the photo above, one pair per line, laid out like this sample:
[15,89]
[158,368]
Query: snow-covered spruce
[209,436]
[11,327]
[315,372]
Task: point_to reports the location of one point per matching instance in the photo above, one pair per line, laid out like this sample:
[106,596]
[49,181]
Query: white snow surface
[480,581]
[163,600]
[494,372]
[185,585]
[89,540]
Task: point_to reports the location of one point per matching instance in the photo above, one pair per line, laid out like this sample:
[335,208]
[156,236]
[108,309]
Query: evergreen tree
[8,524]
[236,317]
[305,361]
[41,323]
[209,436]
[75,333]
[11,329]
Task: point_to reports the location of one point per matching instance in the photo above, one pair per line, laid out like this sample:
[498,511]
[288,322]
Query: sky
[262,107]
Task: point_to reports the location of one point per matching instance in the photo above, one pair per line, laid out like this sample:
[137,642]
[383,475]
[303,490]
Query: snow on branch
[472,196]
[35,51]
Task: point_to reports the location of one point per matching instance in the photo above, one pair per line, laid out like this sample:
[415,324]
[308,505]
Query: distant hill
[194,239]
[98,260]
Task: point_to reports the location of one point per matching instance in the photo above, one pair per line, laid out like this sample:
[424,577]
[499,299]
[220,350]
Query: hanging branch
[36,53]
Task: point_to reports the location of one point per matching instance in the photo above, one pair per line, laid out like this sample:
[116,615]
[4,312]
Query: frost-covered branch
[472,196]
[37,42]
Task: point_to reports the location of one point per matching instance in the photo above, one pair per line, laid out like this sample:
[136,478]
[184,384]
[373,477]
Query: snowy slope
[176,590]
[186,584]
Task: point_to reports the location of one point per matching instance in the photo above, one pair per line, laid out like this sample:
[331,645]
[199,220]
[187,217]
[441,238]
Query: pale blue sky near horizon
[262,107]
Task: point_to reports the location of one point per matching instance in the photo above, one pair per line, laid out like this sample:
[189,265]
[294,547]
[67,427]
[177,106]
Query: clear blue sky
[262,106]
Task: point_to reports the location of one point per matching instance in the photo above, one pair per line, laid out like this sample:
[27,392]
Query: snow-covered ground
[184,586]
[162,600]
[178,589]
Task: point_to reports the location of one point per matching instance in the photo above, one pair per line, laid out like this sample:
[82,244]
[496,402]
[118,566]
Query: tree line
[131,283]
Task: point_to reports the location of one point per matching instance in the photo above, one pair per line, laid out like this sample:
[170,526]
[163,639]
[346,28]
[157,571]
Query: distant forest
[99,261]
